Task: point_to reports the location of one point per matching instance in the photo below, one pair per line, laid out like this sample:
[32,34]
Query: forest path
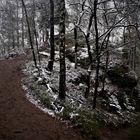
[20,119]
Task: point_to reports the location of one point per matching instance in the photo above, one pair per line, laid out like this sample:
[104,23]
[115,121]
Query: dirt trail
[20,119]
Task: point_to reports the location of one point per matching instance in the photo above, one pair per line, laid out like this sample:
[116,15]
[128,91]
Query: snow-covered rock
[114,104]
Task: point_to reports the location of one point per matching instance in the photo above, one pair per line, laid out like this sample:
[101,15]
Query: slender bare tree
[52,52]
[62,78]
[29,32]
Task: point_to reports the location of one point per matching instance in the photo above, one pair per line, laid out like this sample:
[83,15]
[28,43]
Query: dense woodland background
[92,45]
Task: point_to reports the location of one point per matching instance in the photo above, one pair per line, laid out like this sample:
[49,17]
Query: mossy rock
[117,72]
[122,76]
[84,63]
[70,55]
[131,79]
[136,99]
[121,99]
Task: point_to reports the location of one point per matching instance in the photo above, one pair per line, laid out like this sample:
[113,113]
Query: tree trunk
[106,64]
[62,78]
[107,53]
[88,82]
[76,45]
[97,54]
[35,32]
[87,38]
[52,52]
[23,28]
[13,39]
[135,53]
[17,24]
[29,32]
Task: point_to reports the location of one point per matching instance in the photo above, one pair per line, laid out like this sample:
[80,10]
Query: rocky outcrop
[122,76]
[82,56]
[70,54]
[131,79]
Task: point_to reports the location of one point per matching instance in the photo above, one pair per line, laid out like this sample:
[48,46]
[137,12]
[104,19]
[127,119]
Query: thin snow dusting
[46,83]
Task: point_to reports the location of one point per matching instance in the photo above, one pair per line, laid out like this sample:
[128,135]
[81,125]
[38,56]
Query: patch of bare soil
[20,119]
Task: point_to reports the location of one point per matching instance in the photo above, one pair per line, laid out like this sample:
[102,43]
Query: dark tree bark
[107,52]
[106,64]
[88,82]
[135,54]
[13,38]
[62,78]
[17,2]
[23,28]
[76,45]
[52,52]
[43,35]
[35,31]
[29,32]
[97,54]
[87,38]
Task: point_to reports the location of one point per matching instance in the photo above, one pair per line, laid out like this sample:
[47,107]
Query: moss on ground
[88,124]
[40,94]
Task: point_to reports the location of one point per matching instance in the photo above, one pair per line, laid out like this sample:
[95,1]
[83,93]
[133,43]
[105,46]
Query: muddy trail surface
[20,119]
